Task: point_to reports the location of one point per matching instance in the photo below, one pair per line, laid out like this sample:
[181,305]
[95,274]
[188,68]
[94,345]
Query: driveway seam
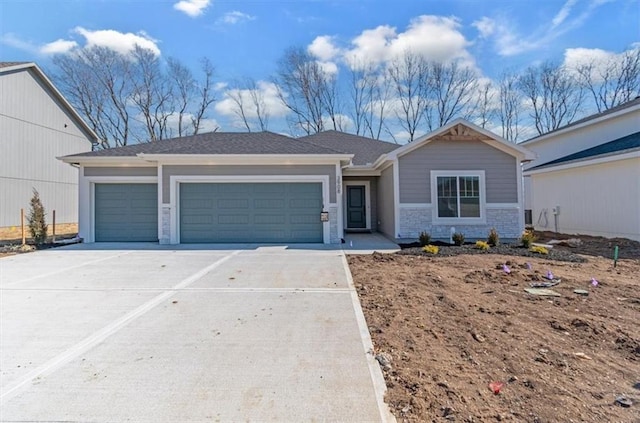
[99,336]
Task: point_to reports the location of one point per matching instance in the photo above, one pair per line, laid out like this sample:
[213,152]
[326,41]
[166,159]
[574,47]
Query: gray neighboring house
[265,187]
[37,125]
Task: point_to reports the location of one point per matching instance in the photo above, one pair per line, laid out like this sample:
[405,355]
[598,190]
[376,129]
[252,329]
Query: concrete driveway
[152,334]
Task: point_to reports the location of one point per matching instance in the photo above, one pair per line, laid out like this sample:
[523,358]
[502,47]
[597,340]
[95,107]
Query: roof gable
[10,67]
[463,130]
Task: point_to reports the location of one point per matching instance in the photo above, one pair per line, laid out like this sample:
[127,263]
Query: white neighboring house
[37,125]
[586,179]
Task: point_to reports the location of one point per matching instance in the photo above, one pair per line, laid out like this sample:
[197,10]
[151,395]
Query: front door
[356,207]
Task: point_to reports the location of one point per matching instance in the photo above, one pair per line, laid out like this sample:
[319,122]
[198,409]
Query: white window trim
[174,192]
[482,220]
[367,198]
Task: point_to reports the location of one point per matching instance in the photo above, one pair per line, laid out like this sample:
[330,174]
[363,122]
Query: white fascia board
[253,159]
[583,162]
[360,171]
[578,126]
[126,161]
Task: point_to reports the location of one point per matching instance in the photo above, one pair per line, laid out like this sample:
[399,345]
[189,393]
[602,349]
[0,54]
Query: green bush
[493,239]
[431,249]
[36,220]
[424,238]
[458,238]
[481,245]
[527,238]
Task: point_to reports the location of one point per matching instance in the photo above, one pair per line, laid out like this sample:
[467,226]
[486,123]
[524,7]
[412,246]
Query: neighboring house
[264,187]
[586,179]
[37,125]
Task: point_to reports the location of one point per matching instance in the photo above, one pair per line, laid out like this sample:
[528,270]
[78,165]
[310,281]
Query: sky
[246,38]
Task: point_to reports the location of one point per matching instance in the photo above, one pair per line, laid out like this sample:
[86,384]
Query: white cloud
[323,48]
[563,13]
[232,18]
[59,46]
[601,60]
[12,40]
[485,26]
[192,8]
[123,43]
[206,125]
[266,91]
[330,68]
[433,37]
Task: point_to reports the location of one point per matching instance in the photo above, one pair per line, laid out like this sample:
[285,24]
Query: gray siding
[33,134]
[120,171]
[385,212]
[373,185]
[500,169]
[168,171]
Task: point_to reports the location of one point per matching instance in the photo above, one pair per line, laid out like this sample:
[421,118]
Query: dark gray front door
[126,212]
[356,207]
[250,212]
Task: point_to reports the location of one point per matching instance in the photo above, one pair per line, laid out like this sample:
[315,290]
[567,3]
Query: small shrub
[539,249]
[36,219]
[458,238]
[431,249]
[481,245]
[424,238]
[493,239]
[527,238]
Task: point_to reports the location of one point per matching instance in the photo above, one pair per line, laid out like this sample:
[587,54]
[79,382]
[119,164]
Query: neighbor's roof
[622,108]
[217,143]
[6,67]
[365,150]
[618,146]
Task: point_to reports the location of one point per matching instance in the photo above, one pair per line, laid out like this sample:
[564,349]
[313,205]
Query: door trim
[367,200]
[176,180]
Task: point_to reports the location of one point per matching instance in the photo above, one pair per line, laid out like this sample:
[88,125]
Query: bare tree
[554,95]
[484,103]
[451,93]
[614,82]
[409,77]
[370,90]
[132,97]
[249,104]
[510,104]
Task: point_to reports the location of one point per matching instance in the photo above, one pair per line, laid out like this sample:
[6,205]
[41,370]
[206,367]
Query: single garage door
[126,212]
[250,212]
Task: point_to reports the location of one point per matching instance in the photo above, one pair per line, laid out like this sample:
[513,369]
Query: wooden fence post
[22,226]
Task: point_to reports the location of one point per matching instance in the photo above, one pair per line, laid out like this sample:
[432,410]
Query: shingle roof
[9,64]
[365,150]
[629,142]
[217,143]
[628,104]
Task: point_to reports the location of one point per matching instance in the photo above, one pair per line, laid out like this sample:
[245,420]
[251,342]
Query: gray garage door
[250,212]
[126,212]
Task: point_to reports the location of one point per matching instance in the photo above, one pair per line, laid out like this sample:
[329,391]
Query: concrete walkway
[165,335]
[367,243]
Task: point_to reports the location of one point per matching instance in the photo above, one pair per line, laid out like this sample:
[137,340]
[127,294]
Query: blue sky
[246,38]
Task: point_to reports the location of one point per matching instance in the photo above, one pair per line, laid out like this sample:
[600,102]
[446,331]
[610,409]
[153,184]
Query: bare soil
[449,326]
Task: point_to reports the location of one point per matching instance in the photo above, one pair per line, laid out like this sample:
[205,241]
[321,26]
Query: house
[265,187]
[586,179]
[37,124]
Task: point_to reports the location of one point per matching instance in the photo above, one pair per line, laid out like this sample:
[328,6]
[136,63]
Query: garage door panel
[251,212]
[126,212]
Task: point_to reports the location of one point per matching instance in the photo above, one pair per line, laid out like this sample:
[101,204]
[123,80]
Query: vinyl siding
[598,199]
[373,188]
[33,133]
[385,203]
[500,169]
[120,171]
[184,170]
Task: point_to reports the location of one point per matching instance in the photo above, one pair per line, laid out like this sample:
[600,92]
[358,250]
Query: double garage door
[208,212]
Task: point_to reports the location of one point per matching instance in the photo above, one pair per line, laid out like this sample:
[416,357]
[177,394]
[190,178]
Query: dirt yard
[444,328]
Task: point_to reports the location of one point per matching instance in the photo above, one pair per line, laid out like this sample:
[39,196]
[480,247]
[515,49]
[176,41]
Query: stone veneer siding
[414,220]
[334,237]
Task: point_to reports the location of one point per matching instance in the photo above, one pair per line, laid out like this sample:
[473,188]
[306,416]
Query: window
[458,195]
